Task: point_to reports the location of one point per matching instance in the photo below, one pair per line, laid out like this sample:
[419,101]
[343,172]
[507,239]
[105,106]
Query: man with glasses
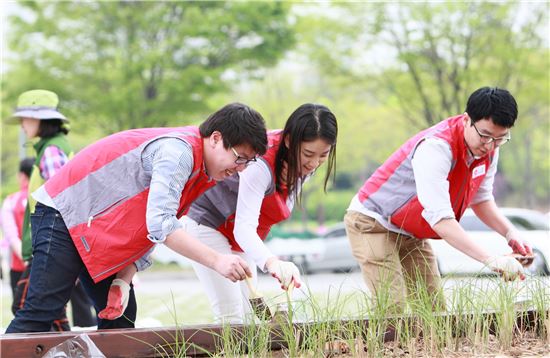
[421,192]
[118,198]
[242,160]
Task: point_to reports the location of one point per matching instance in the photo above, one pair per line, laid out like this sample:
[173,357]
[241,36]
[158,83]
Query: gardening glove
[117,300]
[517,244]
[508,267]
[286,272]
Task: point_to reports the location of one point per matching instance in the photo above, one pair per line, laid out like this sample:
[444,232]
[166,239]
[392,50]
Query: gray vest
[219,203]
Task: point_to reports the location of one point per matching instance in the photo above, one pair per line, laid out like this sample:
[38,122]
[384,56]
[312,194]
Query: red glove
[117,301]
[517,244]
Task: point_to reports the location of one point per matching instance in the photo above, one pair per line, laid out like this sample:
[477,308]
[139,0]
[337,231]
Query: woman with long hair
[237,215]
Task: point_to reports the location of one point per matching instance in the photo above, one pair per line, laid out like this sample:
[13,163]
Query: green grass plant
[467,300]
[337,316]
[503,303]
[321,311]
[176,345]
[540,297]
[379,307]
[437,331]
[253,340]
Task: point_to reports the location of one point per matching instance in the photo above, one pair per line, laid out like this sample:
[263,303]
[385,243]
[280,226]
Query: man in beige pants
[421,191]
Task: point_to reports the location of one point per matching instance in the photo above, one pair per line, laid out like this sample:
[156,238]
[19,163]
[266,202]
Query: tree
[426,58]
[128,64]
[133,64]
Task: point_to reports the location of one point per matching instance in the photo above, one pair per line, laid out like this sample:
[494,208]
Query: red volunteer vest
[273,209]
[18,264]
[464,181]
[115,233]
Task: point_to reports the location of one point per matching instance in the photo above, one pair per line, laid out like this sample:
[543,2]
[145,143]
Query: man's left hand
[518,245]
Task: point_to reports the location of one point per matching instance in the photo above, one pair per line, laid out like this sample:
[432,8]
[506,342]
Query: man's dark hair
[238,124]
[50,127]
[493,103]
[25,166]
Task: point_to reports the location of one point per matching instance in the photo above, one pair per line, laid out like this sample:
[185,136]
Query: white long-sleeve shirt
[253,183]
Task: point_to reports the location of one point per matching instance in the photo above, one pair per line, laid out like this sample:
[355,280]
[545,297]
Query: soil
[526,345]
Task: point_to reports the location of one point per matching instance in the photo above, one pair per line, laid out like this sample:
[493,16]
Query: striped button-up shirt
[169,161]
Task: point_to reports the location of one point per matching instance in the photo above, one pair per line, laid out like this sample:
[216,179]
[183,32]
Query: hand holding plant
[507,266]
[284,271]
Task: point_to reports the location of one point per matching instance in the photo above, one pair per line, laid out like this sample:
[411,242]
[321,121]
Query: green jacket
[60,141]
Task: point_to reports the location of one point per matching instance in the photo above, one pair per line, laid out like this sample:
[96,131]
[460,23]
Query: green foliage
[367,131]
[331,206]
[424,59]
[139,64]
[128,64]
[385,69]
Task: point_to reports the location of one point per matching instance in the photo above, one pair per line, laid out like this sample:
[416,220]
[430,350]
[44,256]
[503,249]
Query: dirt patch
[526,345]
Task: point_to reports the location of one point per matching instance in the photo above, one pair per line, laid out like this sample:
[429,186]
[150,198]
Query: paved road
[182,284]
[186,282]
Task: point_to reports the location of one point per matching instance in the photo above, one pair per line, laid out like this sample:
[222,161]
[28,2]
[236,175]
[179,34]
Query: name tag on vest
[478,171]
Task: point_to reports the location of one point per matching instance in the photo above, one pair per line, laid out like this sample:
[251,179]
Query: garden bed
[490,334]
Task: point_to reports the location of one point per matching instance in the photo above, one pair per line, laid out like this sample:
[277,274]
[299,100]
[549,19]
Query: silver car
[535,229]
[331,251]
[328,252]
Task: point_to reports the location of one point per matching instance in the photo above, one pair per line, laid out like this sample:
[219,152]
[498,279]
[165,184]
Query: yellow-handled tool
[256,299]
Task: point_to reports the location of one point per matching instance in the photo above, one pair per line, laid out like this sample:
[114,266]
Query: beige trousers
[394,266]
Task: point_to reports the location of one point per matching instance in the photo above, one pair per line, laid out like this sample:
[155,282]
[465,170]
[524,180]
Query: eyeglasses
[242,160]
[487,139]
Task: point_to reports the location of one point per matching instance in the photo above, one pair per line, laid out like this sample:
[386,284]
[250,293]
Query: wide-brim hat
[38,104]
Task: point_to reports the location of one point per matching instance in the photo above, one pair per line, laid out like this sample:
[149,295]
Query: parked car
[331,251]
[328,252]
[164,255]
[535,228]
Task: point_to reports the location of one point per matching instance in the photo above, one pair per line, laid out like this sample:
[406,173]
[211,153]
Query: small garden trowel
[260,308]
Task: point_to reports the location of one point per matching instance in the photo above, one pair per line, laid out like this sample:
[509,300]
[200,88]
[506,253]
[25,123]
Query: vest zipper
[105,211]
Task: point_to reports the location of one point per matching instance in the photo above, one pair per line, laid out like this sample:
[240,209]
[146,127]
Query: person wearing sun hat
[38,104]
[37,113]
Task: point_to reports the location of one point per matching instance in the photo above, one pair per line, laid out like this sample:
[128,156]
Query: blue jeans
[56,266]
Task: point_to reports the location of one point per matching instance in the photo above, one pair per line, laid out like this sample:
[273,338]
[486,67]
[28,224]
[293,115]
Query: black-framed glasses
[487,139]
[242,160]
